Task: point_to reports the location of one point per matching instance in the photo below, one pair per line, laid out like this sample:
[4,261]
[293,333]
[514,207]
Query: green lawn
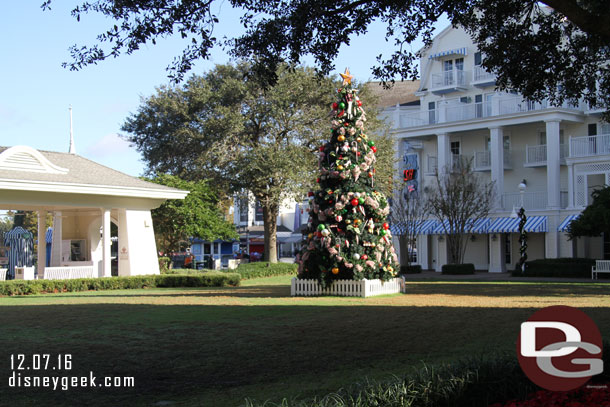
[216,346]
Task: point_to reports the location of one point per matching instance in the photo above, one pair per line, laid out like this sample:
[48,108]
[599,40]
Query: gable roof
[402,92]
[25,168]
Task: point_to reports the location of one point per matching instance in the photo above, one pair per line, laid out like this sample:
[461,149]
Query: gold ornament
[335,270]
[347,78]
[340,167]
[341,137]
[358,139]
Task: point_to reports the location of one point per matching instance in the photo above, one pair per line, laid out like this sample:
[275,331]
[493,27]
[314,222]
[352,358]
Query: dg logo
[560,348]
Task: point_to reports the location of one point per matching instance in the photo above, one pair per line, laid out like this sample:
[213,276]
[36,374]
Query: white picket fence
[347,288]
[66,273]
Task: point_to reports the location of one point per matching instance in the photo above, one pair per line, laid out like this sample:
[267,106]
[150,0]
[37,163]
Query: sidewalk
[493,277]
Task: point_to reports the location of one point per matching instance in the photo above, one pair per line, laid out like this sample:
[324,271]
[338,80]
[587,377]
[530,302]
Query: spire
[72,149]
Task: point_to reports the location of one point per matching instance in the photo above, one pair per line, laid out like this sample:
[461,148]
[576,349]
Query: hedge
[264,269]
[466,268]
[411,269]
[24,287]
[474,381]
[562,267]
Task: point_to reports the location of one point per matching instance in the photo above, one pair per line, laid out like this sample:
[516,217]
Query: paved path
[485,276]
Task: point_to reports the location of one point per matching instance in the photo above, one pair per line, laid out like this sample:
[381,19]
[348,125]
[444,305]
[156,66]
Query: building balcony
[482,160]
[481,78]
[590,146]
[535,156]
[449,81]
[498,105]
[531,200]
[457,161]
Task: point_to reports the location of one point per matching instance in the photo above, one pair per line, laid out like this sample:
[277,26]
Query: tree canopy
[557,52]
[197,215]
[595,219]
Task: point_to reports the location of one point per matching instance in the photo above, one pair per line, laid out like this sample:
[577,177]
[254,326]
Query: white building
[248,218]
[562,153]
[85,198]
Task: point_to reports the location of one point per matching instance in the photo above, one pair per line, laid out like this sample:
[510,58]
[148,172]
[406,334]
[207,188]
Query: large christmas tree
[348,236]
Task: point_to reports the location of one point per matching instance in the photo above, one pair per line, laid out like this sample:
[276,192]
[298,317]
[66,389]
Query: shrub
[562,267]
[24,287]
[264,269]
[466,268]
[164,263]
[410,269]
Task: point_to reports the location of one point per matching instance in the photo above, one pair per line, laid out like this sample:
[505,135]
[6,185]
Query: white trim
[24,158]
[70,188]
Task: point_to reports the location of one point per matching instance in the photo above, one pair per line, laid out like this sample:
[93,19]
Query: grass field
[215,347]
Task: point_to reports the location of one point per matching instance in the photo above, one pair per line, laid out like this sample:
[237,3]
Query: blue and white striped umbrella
[21,253]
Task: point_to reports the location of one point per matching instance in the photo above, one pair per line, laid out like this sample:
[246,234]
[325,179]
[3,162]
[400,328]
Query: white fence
[66,273]
[3,273]
[347,288]
[590,145]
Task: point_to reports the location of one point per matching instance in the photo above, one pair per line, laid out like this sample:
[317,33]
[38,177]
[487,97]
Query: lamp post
[522,232]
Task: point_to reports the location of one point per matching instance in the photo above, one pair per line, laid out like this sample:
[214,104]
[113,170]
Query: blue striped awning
[565,225]
[472,226]
[455,51]
[421,228]
[533,224]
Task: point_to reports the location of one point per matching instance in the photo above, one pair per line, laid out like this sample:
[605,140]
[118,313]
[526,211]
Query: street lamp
[522,232]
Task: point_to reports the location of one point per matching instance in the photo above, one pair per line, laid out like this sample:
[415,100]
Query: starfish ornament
[347,78]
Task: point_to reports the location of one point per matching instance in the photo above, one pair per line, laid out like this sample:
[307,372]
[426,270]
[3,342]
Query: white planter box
[347,288]
[24,273]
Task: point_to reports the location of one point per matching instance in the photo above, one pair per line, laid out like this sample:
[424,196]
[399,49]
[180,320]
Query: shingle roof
[82,171]
[402,92]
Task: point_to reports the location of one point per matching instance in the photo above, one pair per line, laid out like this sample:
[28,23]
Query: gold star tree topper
[347,78]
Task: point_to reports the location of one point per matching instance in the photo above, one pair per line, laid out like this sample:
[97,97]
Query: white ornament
[356,256]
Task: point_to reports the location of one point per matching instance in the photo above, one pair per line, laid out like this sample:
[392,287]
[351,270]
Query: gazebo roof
[24,168]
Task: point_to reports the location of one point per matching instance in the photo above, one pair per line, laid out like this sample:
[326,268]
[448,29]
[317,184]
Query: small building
[85,198]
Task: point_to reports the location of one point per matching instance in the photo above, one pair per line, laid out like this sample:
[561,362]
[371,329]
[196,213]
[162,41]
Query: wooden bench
[601,266]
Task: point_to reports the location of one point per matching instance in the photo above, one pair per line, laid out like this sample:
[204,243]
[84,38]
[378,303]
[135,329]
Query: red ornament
[358,153]
[310,193]
[374,149]
[331,201]
[346,124]
[364,257]
[386,226]
[359,103]
[335,106]
[321,149]
[370,174]
[354,202]
[341,113]
[318,180]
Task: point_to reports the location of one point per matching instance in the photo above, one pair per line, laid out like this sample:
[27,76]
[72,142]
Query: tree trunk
[270,213]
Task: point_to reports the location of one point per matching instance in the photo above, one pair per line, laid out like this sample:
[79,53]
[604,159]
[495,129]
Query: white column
[42,243]
[551,238]
[552,164]
[443,147]
[496,253]
[570,186]
[497,163]
[422,251]
[57,239]
[106,263]
[441,257]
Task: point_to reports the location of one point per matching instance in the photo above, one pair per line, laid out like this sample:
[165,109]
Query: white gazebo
[84,198]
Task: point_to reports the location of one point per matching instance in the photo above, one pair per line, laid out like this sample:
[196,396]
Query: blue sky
[35,91]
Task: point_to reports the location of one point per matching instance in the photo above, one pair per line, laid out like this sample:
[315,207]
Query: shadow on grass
[176,351]
[490,289]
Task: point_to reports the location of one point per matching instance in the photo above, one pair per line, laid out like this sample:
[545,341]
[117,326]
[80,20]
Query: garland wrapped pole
[522,240]
[347,237]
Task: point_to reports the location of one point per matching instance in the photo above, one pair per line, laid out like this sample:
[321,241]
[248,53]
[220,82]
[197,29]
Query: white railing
[67,273]
[482,160]
[531,200]
[537,154]
[447,79]
[590,145]
[347,288]
[3,273]
[419,118]
[518,105]
[479,74]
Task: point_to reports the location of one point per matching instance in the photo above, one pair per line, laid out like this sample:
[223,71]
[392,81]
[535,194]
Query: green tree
[197,215]
[347,233]
[595,218]
[225,125]
[557,52]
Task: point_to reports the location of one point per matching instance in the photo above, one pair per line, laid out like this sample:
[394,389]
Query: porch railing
[590,145]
